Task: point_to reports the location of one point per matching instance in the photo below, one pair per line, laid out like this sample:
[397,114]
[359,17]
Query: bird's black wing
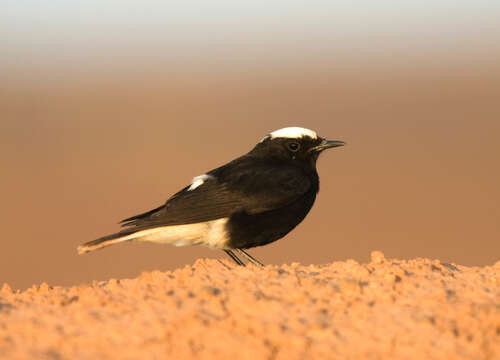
[243,185]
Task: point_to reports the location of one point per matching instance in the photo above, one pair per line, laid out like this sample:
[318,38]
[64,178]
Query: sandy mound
[416,309]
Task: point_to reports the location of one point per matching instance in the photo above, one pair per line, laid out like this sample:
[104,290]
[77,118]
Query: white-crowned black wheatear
[253,200]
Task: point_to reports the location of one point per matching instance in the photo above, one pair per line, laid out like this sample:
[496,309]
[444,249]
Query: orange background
[84,148]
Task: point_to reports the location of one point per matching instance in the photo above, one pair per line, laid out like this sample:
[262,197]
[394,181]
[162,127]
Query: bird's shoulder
[252,174]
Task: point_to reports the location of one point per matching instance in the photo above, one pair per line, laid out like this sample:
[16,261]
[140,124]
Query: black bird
[253,200]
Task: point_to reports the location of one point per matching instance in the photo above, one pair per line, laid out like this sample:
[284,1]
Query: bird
[251,201]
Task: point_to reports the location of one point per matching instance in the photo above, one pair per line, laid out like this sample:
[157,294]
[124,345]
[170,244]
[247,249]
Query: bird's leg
[234,257]
[250,257]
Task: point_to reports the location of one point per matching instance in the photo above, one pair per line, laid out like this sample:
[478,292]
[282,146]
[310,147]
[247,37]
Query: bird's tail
[107,240]
[178,235]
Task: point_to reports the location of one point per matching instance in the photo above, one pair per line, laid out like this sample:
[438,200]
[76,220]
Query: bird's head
[294,144]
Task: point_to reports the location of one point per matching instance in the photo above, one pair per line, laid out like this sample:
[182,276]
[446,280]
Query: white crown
[291,132]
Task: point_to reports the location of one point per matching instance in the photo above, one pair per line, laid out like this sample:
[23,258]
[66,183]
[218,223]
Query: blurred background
[109,107]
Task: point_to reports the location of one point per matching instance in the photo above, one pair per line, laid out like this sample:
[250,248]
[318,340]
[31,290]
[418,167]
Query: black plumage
[256,199]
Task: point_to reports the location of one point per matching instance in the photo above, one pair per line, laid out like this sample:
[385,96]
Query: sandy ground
[416,309]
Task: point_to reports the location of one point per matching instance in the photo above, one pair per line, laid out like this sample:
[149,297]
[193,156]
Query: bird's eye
[293,146]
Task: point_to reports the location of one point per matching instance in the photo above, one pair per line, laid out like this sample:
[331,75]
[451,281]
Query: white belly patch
[210,233]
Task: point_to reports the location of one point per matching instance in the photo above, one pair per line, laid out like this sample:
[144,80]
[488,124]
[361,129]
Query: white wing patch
[292,132]
[199,180]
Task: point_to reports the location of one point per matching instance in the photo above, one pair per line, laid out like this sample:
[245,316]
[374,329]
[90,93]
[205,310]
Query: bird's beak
[326,144]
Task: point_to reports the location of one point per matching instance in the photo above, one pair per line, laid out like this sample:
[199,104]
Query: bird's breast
[250,230]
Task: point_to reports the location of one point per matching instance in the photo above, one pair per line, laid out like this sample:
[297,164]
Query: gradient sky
[87,32]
